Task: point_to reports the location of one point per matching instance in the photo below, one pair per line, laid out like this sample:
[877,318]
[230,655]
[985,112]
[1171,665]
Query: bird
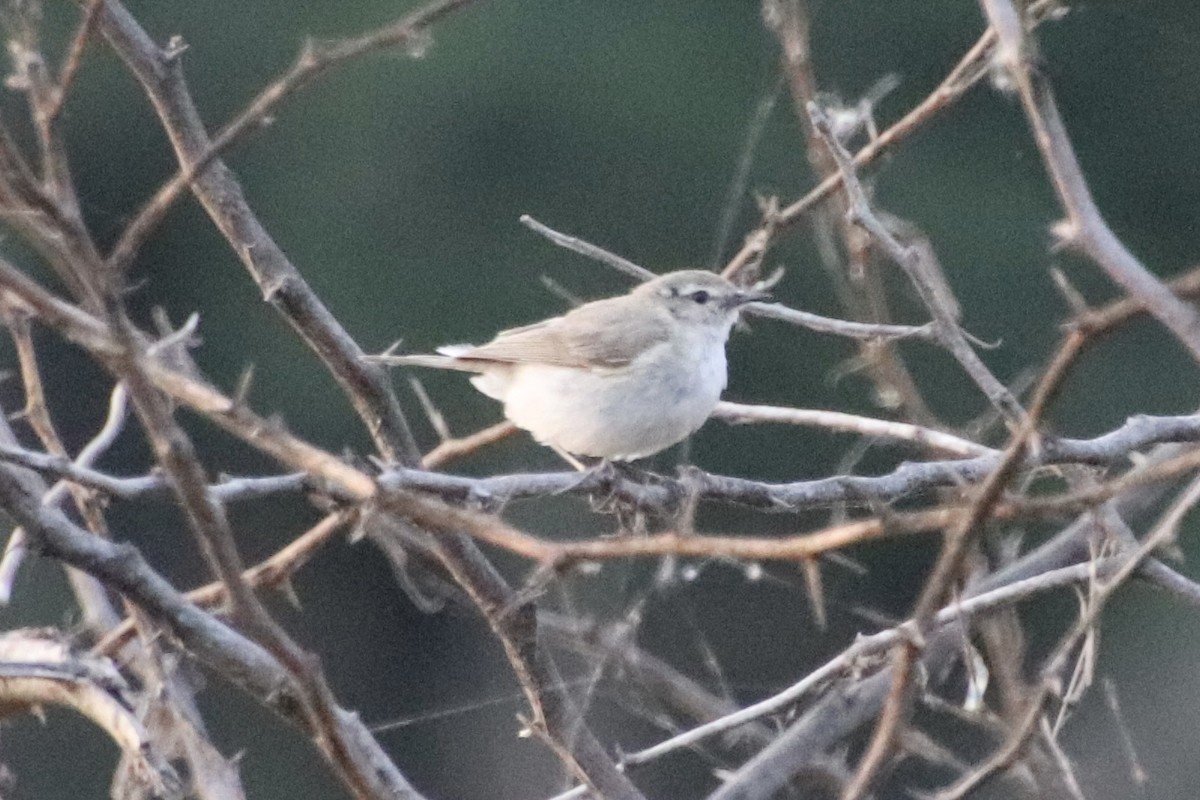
[618,379]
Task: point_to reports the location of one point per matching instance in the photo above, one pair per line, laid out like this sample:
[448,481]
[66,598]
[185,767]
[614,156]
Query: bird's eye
[700,297]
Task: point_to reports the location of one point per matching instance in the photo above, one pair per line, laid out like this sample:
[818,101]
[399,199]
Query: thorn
[982,344]
[1073,297]
[558,290]
[308,54]
[1065,235]
[272,287]
[768,206]
[816,592]
[288,590]
[771,281]
[184,336]
[242,392]
[417,45]
[436,419]
[175,48]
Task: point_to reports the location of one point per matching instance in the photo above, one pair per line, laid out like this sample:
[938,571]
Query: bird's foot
[621,490]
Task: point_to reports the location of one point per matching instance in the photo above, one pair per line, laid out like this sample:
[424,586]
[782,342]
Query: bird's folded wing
[603,334]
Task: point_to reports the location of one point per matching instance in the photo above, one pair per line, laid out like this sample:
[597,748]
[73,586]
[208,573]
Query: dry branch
[282,285]
[39,668]
[439,519]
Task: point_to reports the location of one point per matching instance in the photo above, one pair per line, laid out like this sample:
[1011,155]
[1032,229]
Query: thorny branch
[945,324]
[1084,227]
[961,487]
[216,187]
[946,571]
[777,311]
[281,283]
[1112,449]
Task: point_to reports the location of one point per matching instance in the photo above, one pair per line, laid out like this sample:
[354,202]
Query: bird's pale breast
[622,414]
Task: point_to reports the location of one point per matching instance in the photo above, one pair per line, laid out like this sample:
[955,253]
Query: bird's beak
[739,299]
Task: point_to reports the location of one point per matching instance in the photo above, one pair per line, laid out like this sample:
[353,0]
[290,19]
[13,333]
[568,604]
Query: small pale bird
[618,379]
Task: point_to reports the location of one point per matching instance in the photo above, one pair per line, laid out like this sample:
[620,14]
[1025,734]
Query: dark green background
[395,184]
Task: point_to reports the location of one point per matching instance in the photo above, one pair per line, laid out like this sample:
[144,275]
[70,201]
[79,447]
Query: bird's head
[700,298]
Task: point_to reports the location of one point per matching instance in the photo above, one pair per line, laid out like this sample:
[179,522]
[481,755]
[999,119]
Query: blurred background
[396,183]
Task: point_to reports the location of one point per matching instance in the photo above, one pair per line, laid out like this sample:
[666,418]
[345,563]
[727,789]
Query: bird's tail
[447,360]
[434,362]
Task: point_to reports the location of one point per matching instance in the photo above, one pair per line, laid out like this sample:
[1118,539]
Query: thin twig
[736,193]
[578,245]
[97,609]
[272,571]
[946,568]
[73,58]
[739,413]
[970,70]
[453,449]
[315,59]
[1085,228]
[865,646]
[114,422]
[949,334]
[777,311]
[279,280]
[1137,773]
[850,329]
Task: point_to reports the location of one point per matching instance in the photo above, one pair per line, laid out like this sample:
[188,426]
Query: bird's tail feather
[434,362]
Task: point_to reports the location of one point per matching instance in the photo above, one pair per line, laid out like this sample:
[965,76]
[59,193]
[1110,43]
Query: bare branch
[314,60]
[277,569]
[969,71]
[739,413]
[38,667]
[1084,227]
[577,245]
[777,311]
[865,646]
[281,283]
[945,322]
[74,57]
[240,660]
[453,449]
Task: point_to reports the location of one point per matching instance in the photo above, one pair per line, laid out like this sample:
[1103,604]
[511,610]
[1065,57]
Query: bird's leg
[617,484]
[570,459]
[610,474]
[606,476]
[636,474]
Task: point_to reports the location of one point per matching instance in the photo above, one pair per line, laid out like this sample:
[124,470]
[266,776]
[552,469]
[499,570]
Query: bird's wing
[596,335]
